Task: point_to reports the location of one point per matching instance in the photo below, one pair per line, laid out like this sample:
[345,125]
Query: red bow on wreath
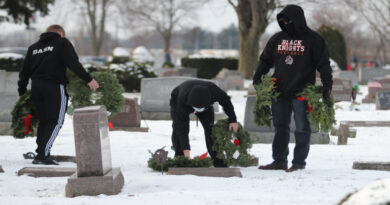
[27,124]
[236,142]
[309,106]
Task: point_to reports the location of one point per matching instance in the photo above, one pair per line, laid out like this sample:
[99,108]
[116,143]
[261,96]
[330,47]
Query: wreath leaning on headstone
[24,119]
[265,93]
[109,93]
[321,113]
[231,146]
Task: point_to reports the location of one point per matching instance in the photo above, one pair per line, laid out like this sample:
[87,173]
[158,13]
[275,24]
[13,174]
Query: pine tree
[23,11]
[336,45]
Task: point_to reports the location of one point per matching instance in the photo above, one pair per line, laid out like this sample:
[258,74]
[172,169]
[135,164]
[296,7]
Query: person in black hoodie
[197,96]
[296,53]
[46,63]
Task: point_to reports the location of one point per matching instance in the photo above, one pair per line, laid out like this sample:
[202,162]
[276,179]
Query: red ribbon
[110,125]
[203,155]
[309,106]
[27,124]
[236,142]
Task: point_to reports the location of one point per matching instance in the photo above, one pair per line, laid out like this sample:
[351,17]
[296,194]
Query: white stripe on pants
[59,123]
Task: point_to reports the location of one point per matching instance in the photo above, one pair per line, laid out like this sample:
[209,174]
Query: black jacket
[296,53]
[48,59]
[197,93]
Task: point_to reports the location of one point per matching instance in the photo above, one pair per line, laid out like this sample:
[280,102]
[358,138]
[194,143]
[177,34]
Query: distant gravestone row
[156,93]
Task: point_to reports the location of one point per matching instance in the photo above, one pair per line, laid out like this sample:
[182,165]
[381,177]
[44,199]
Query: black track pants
[50,100]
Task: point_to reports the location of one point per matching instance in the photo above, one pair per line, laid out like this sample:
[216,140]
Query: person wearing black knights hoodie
[46,63]
[296,53]
[197,96]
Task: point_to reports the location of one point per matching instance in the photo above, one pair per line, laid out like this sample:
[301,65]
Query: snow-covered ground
[327,179]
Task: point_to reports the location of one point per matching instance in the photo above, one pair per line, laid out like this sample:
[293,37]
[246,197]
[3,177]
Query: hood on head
[48,35]
[199,96]
[296,15]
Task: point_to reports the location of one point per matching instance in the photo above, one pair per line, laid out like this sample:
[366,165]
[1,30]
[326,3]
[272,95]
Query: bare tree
[164,16]
[95,12]
[253,19]
[377,14]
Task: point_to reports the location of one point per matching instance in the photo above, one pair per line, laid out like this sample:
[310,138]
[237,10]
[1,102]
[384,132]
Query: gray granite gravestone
[155,95]
[95,174]
[206,172]
[348,75]
[8,99]
[380,166]
[188,72]
[264,134]
[47,171]
[233,80]
[382,100]
[170,72]
[7,103]
[368,74]
[129,119]
[341,90]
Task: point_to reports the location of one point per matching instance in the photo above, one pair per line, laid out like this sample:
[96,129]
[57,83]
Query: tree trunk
[253,19]
[167,42]
[249,53]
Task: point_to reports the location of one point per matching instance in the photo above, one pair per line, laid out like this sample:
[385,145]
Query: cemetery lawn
[327,179]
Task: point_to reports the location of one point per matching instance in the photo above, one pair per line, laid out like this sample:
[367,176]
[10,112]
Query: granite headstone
[233,80]
[383,100]
[129,118]
[265,134]
[95,174]
[156,93]
[368,74]
[341,90]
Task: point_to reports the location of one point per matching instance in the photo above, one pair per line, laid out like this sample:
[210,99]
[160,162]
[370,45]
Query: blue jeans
[281,113]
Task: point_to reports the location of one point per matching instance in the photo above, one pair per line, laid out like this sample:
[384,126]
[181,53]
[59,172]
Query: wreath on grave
[265,93]
[231,146]
[179,161]
[321,113]
[24,119]
[109,93]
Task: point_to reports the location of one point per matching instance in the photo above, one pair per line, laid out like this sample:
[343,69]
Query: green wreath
[231,146]
[179,161]
[321,113]
[109,93]
[24,120]
[265,93]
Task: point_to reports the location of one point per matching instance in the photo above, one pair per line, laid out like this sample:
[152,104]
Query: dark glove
[325,94]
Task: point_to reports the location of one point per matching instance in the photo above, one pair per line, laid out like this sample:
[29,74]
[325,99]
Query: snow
[120,52]
[11,55]
[327,179]
[141,54]
[377,192]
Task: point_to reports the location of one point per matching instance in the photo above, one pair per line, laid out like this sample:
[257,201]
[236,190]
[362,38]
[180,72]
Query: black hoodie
[48,59]
[296,53]
[197,93]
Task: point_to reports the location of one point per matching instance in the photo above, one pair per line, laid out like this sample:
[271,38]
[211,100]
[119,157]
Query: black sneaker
[45,161]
